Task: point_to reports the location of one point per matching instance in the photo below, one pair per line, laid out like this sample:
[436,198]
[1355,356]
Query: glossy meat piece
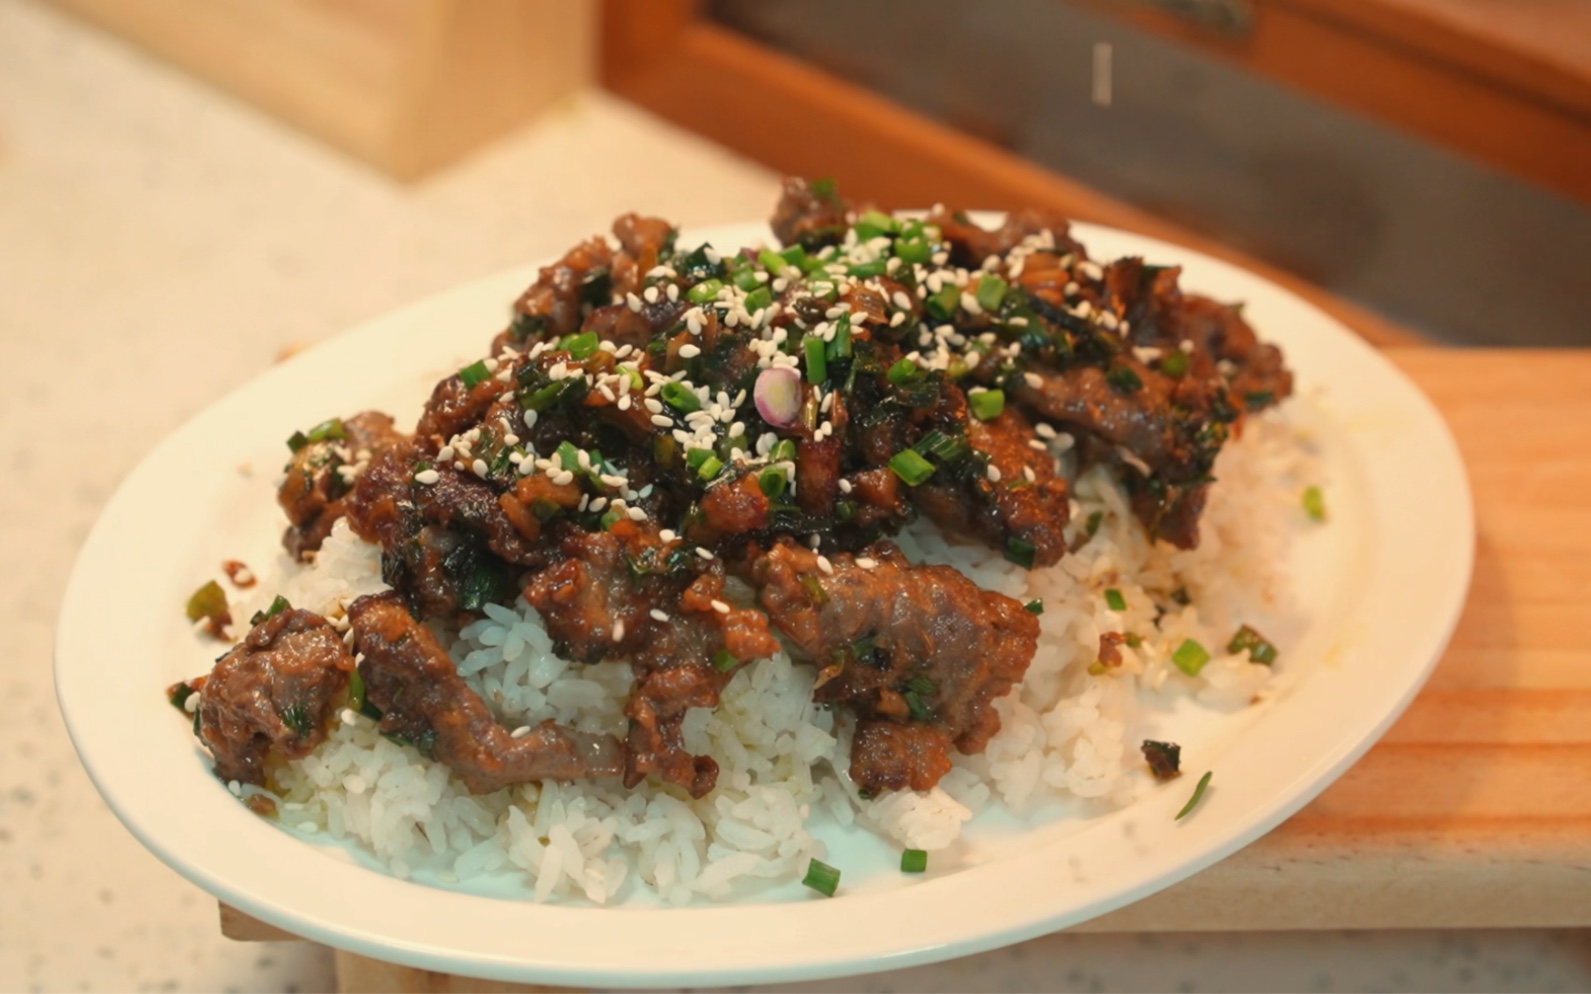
[597,603]
[314,492]
[274,691]
[899,642]
[808,217]
[899,755]
[424,701]
[554,305]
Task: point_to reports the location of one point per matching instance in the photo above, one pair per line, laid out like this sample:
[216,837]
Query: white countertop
[160,243]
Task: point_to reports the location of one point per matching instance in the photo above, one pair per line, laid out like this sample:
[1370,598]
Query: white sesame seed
[673,291]
[897,319]
[479,467]
[704,553]
[520,732]
[618,630]
[636,514]
[826,566]
[866,562]
[624,402]
[688,351]
[662,420]
[970,304]
[427,476]
[667,535]
[1028,474]
[1033,380]
[1037,445]
[1090,270]
[445,453]
[599,504]
[633,302]
[720,607]
[1044,430]
[658,614]
[993,473]
[529,417]
[845,486]
[563,478]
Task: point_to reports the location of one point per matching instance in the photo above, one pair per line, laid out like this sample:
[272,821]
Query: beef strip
[424,701]
[274,691]
[597,602]
[807,216]
[320,476]
[915,646]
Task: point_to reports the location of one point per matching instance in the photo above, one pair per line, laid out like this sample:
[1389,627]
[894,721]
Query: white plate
[1385,582]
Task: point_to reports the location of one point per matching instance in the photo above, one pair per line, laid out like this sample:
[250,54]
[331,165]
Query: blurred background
[190,188]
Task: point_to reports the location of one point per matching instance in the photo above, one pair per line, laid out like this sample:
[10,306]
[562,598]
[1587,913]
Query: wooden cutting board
[1475,809]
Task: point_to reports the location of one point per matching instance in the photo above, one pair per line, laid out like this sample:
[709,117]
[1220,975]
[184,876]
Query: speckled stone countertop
[159,245]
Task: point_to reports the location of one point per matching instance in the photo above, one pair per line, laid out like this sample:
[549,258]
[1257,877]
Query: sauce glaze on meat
[609,461]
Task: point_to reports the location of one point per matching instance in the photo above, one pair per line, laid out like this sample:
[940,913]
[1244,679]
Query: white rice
[1065,732]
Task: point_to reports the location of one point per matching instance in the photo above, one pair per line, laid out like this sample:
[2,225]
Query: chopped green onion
[1020,551]
[913,250]
[840,347]
[814,588]
[783,450]
[943,304]
[862,270]
[704,291]
[911,467]
[1175,363]
[758,299]
[580,346]
[1190,657]
[1258,648]
[709,467]
[919,710]
[913,861]
[1315,503]
[903,372]
[209,601]
[945,448]
[1134,640]
[1091,526]
[724,660]
[609,518]
[1123,379]
[1198,792]
[277,606]
[991,291]
[568,456]
[986,404]
[1115,600]
[359,696]
[796,256]
[680,397]
[297,440]
[474,373]
[551,394]
[772,261]
[922,684]
[745,277]
[1034,606]
[822,878]
[1258,399]
[817,365]
[695,457]
[772,481]
[822,187]
[1181,596]
[874,223]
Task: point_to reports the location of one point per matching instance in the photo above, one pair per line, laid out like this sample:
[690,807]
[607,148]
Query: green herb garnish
[1198,792]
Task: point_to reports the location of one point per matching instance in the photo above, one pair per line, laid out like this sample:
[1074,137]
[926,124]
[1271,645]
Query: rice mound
[1066,733]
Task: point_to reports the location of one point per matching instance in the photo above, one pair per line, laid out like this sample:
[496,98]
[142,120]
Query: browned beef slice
[807,217]
[315,490]
[275,690]
[409,676]
[554,303]
[897,639]
[899,755]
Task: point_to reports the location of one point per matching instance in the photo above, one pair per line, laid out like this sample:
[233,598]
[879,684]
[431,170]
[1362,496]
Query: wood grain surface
[1474,810]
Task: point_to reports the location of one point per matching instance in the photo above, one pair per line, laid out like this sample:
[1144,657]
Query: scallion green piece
[331,428]
[758,299]
[209,601]
[913,250]
[1315,503]
[817,363]
[724,661]
[1123,379]
[1175,363]
[783,450]
[581,346]
[903,372]
[840,347]
[874,223]
[680,397]
[178,695]
[862,270]
[1091,526]
[695,457]
[1034,606]
[772,261]
[706,290]
[474,373]
[568,456]
[745,277]
[913,860]
[822,878]
[1190,657]
[1021,552]
[277,606]
[991,291]
[796,256]
[772,481]
[709,467]
[943,304]
[986,404]
[1198,792]
[1115,600]
[911,467]
[1259,650]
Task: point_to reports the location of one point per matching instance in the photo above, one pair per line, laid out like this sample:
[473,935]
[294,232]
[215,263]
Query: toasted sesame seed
[427,476]
[658,614]
[689,351]
[445,453]
[704,553]
[1027,474]
[563,478]
[845,486]
[636,514]
[520,732]
[720,607]
[529,417]
[633,302]
[662,420]
[866,562]
[1044,430]
[1033,380]
[826,566]
[618,630]
[993,473]
[479,467]
[598,504]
